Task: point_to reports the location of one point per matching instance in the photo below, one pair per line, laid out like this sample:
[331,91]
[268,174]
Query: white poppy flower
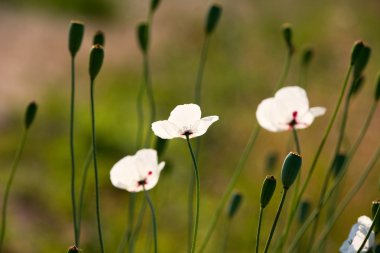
[289,108]
[134,173]
[183,120]
[356,237]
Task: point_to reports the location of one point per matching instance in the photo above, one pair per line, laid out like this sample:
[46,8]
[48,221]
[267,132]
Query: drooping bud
[271,161]
[288,36]
[30,114]
[213,17]
[267,190]
[96,61]
[361,61]
[356,50]
[98,39]
[338,163]
[235,203]
[161,145]
[307,56]
[143,36]
[377,92]
[73,249]
[375,207]
[303,211]
[154,5]
[76,32]
[290,169]
[357,84]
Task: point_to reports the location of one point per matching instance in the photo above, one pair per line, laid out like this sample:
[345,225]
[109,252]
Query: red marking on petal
[150,173]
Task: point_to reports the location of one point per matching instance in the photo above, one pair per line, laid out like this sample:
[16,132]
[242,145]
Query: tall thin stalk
[154,222]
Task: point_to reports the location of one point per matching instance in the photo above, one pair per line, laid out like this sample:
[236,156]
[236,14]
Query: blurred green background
[245,60]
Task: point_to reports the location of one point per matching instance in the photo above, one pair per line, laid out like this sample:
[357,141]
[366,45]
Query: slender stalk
[343,204]
[140,116]
[96,168]
[82,189]
[128,231]
[153,219]
[8,186]
[72,153]
[197,189]
[259,229]
[275,220]
[150,94]
[226,236]
[285,71]
[231,185]
[201,67]
[370,230]
[316,158]
[137,229]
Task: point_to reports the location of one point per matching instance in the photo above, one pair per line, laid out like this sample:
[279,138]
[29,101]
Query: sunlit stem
[370,230]
[275,220]
[72,153]
[197,188]
[154,223]
[316,158]
[96,168]
[259,229]
[82,189]
[231,185]
[8,187]
[285,71]
[343,204]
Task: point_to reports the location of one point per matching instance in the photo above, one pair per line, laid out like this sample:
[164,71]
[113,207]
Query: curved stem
[231,185]
[153,219]
[197,189]
[370,230]
[259,229]
[140,116]
[275,220]
[8,186]
[201,67]
[72,153]
[96,168]
[285,71]
[137,229]
[150,94]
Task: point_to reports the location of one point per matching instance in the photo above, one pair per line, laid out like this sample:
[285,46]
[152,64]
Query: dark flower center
[293,122]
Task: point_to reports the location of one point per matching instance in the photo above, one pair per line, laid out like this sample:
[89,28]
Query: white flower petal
[124,174]
[357,235]
[165,129]
[291,99]
[201,126]
[161,166]
[318,111]
[267,117]
[185,115]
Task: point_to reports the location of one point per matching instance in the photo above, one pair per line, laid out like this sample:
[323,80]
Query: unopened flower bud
[357,84]
[356,50]
[288,36]
[377,92]
[96,60]
[303,211]
[290,169]
[98,39]
[235,203]
[213,18]
[76,31]
[361,61]
[375,207]
[154,5]
[307,56]
[271,161]
[267,190]
[338,163]
[143,36]
[30,114]
[73,249]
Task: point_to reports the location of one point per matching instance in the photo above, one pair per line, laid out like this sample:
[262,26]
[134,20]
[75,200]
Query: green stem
[316,158]
[8,187]
[343,204]
[72,153]
[201,67]
[82,190]
[150,94]
[128,231]
[275,220]
[140,116]
[231,185]
[197,189]
[96,168]
[285,71]
[137,229]
[226,236]
[370,230]
[259,229]
[153,219]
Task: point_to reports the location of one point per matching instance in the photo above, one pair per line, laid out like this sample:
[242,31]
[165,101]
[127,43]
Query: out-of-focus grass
[245,59]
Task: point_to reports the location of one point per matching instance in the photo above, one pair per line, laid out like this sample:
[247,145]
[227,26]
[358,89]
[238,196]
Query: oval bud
[288,36]
[361,61]
[76,32]
[377,92]
[375,206]
[161,145]
[271,161]
[213,17]
[30,114]
[290,169]
[73,249]
[356,85]
[96,61]
[234,204]
[303,211]
[355,52]
[143,36]
[338,163]
[154,4]
[307,56]
[267,190]
[98,39]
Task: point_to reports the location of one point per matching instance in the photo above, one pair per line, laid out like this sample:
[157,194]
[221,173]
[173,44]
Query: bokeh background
[245,60]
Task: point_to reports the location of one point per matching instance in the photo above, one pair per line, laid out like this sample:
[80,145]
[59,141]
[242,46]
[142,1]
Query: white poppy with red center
[184,120]
[138,172]
[357,235]
[288,109]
